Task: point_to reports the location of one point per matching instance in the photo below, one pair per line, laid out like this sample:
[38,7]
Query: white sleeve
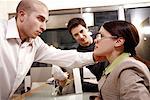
[63,58]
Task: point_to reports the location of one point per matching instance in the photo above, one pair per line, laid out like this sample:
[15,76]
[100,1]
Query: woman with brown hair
[126,78]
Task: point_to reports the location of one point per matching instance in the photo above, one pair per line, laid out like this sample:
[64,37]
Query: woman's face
[104,43]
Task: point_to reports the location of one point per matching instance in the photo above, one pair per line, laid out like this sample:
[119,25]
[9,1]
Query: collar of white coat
[12,31]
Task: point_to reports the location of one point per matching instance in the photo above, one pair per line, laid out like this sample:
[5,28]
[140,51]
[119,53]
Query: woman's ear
[120,42]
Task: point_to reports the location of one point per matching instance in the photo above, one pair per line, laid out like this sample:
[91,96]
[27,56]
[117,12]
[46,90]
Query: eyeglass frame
[100,36]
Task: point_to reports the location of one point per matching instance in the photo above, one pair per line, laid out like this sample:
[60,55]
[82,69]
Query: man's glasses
[100,36]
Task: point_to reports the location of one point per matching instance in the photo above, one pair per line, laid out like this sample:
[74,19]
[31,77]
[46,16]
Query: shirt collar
[12,31]
[116,62]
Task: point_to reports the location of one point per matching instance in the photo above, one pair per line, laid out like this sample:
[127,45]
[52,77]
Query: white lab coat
[16,58]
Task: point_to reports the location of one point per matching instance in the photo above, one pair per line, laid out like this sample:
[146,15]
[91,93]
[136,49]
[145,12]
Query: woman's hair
[129,32]
[74,22]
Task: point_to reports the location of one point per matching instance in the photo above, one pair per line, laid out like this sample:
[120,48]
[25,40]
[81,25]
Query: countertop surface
[44,91]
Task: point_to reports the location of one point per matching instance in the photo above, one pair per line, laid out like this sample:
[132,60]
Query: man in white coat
[20,46]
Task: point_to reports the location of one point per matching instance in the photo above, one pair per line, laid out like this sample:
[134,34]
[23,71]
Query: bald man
[20,46]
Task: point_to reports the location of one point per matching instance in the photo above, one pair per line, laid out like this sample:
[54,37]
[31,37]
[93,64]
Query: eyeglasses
[100,36]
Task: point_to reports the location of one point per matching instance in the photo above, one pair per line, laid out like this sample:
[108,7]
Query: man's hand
[62,82]
[98,58]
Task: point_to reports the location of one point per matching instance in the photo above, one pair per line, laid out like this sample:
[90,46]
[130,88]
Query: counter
[43,92]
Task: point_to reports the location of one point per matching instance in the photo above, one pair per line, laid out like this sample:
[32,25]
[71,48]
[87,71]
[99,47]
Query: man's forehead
[42,10]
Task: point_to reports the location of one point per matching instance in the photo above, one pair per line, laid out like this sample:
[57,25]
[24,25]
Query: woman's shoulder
[132,62]
[135,65]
